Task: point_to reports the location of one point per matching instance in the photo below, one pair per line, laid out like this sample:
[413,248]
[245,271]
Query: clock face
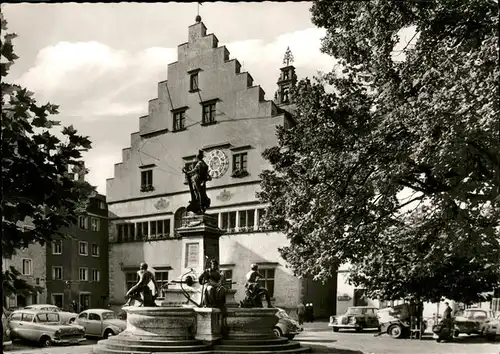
[217,162]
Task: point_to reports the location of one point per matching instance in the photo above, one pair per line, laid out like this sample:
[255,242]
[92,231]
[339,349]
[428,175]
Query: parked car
[473,321]
[43,327]
[395,321]
[100,323]
[492,328]
[65,317]
[356,317]
[286,326]
[6,333]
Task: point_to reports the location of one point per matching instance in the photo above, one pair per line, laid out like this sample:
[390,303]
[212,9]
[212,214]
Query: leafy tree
[396,171]
[37,188]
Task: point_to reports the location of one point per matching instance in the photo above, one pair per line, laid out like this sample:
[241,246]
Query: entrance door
[360,298]
[21,301]
[84,302]
[57,300]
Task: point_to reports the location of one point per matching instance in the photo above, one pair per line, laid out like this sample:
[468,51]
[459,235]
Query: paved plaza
[321,338]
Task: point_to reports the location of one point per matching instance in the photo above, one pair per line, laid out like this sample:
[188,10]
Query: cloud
[103,90]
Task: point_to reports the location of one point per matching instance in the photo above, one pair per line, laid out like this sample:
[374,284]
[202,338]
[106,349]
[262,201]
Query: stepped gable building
[207,103]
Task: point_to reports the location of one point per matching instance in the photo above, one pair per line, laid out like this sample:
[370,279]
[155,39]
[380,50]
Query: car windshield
[475,315]
[359,311]
[108,316]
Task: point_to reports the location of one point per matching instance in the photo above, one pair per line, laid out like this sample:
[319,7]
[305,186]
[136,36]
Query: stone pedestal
[208,324]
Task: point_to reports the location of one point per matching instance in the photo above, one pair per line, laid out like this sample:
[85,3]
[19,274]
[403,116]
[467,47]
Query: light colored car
[492,329]
[100,323]
[356,317]
[65,317]
[473,321]
[286,326]
[43,327]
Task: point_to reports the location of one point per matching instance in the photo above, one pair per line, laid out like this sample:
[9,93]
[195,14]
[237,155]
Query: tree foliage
[37,188]
[397,171]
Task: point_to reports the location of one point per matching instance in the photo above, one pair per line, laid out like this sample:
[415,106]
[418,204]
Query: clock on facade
[217,162]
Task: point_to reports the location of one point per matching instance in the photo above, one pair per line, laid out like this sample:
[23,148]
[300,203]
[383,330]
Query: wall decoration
[161,204]
[224,195]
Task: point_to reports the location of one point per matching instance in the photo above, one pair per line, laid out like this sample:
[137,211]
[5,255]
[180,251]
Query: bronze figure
[254,291]
[141,292]
[212,280]
[197,180]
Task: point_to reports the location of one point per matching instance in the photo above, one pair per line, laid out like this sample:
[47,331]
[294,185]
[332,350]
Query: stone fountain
[199,326]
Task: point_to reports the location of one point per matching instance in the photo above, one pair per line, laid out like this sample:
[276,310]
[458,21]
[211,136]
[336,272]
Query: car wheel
[359,329]
[45,342]
[395,331]
[71,321]
[277,332]
[107,333]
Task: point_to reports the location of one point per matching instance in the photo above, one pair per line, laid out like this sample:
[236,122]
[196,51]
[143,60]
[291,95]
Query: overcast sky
[101,62]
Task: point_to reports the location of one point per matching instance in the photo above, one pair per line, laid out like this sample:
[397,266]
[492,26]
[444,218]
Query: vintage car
[492,329]
[356,317]
[286,326]
[43,327]
[100,323]
[395,321]
[65,317]
[473,321]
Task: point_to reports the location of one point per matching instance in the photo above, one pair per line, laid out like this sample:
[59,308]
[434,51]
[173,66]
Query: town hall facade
[206,104]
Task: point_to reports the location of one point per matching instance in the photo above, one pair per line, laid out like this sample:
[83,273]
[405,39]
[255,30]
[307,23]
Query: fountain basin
[165,323]
[251,323]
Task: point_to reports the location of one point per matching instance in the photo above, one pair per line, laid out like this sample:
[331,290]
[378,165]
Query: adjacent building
[31,263]
[206,104]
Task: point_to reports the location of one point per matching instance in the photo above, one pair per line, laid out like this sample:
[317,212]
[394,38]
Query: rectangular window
[57,247]
[240,162]
[119,232]
[146,180]
[152,229]
[228,275]
[159,228]
[179,120]
[193,82]
[95,250]
[83,274]
[142,230]
[27,266]
[246,219]
[268,280]
[228,221]
[130,279]
[83,222]
[83,248]
[192,255]
[208,113]
[95,224]
[162,281]
[57,273]
[102,205]
[96,275]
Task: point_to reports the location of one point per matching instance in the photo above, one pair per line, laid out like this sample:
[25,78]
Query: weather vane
[288,58]
[198,17]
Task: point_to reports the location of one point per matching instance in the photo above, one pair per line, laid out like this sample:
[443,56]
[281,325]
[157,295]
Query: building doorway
[57,300]
[84,302]
[21,301]
[360,297]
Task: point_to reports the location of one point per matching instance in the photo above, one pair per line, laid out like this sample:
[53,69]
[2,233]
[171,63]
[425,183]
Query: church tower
[286,81]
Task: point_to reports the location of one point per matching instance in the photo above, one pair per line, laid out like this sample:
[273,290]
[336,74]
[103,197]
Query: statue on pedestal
[197,180]
[141,293]
[254,291]
[212,281]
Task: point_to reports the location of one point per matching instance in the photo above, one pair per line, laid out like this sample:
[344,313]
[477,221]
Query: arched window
[179,214]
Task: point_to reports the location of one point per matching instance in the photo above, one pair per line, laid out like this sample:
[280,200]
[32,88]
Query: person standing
[301,312]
